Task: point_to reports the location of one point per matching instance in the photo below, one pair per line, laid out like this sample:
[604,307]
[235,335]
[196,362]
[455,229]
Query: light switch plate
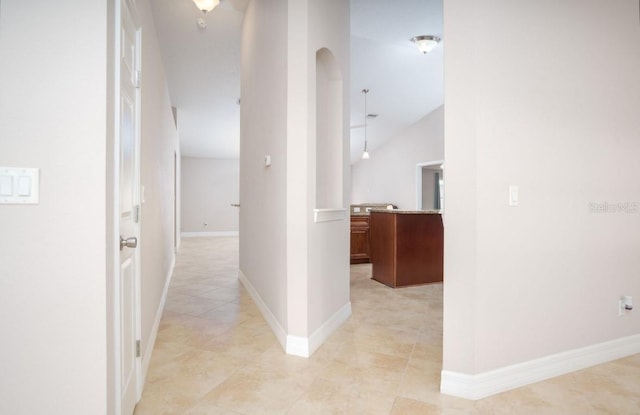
[19,186]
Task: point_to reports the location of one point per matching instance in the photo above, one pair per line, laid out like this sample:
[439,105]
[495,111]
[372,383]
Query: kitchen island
[406,247]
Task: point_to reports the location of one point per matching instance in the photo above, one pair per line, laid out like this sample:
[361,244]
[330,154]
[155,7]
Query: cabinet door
[359,239]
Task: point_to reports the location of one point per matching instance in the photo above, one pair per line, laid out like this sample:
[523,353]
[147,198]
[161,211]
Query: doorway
[430,185]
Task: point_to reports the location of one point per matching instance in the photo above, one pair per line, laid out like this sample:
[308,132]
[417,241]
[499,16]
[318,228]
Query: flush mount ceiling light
[425,43]
[206,5]
[365,153]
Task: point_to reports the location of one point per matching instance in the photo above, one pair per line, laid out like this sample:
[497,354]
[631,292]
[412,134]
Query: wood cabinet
[406,248]
[360,247]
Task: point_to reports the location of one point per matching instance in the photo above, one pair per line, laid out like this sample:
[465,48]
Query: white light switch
[6,185]
[24,186]
[267,160]
[19,185]
[513,195]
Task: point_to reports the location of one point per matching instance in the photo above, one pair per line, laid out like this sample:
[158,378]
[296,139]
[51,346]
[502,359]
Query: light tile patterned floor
[215,355]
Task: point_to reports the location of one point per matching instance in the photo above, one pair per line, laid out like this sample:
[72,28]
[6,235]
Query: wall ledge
[327,215]
[510,377]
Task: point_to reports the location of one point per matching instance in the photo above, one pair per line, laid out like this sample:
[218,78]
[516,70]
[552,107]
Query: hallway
[215,355]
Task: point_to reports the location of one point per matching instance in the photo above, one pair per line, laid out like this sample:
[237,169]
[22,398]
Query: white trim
[272,321]
[202,234]
[320,335]
[326,215]
[306,346]
[297,345]
[151,341]
[510,377]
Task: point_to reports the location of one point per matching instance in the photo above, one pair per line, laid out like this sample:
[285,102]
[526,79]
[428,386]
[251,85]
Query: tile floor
[215,355]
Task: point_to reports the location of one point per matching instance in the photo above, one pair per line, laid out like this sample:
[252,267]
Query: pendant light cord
[365,91]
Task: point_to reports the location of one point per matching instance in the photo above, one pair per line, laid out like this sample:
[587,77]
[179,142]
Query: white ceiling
[203,70]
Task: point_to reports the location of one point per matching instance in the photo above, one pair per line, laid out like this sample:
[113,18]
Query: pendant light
[365,153]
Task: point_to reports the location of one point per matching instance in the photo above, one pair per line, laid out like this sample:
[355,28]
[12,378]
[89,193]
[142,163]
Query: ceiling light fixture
[206,5]
[365,153]
[425,43]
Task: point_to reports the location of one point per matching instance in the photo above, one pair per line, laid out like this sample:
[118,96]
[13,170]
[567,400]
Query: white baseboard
[320,335]
[510,377]
[297,345]
[151,341]
[306,346]
[272,321]
[201,234]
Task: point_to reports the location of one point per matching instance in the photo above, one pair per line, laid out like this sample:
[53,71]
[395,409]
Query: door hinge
[137,78]
[137,348]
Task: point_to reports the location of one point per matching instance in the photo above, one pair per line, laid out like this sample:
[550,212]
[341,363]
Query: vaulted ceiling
[203,70]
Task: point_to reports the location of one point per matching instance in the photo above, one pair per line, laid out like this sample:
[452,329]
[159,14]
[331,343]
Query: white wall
[57,257]
[53,115]
[263,121]
[542,278]
[283,254]
[159,143]
[209,187]
[389,176]
[328,242]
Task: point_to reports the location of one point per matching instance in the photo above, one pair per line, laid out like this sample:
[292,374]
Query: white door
[129,210]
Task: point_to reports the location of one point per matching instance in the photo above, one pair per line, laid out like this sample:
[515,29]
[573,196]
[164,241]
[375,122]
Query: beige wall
[263,120]
[209,187]
[389,176]
[543,95]
[159,144]
[283,253]
[53,111]
[328,263]
[57,258]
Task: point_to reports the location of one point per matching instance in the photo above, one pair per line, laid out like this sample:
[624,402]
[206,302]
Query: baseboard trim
[297,345]
[201,234]
[510,377]
[271,319]
[151,341]
[320,335]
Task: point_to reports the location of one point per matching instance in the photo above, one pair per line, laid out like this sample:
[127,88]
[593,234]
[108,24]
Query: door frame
[113,303]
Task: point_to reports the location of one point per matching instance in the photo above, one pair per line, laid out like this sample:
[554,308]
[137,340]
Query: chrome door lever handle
[129,242]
